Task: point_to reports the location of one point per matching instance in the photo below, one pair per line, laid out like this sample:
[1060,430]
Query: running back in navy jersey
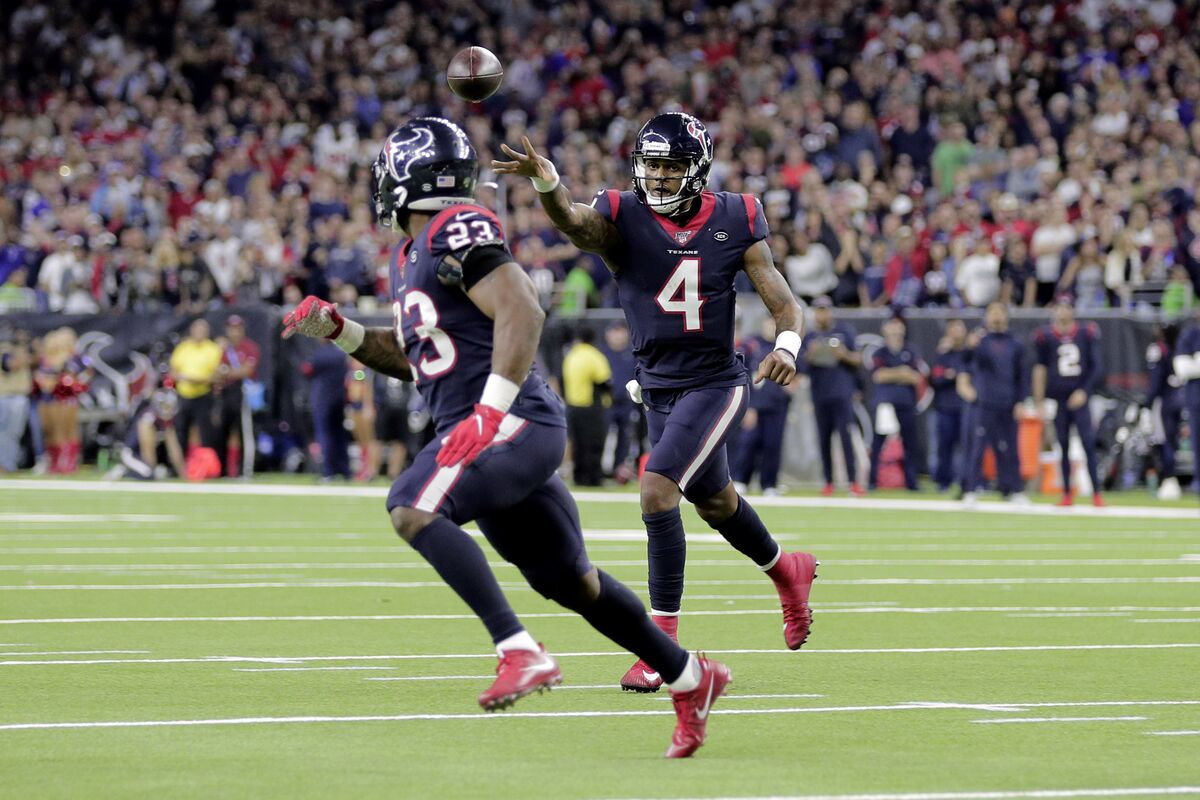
[447,339]
[675,284]
[1072,359]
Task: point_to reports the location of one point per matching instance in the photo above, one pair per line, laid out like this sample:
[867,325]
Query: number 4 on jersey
[681,294]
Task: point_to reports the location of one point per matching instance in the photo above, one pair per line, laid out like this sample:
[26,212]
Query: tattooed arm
[772,287]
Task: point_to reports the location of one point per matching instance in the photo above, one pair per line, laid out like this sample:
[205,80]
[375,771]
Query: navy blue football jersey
[447,339]
[1072,359]
[675,284]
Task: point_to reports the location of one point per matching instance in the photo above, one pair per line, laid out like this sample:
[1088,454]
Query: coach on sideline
[194,364]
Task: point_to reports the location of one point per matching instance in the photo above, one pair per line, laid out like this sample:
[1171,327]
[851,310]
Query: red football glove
[313,317]
[470,437]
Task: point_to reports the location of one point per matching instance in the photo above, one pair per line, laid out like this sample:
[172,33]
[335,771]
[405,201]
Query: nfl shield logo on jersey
[682,236]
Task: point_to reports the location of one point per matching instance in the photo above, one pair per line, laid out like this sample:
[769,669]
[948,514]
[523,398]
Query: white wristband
[544,186]
[351,337]
[789,341]
[499,392]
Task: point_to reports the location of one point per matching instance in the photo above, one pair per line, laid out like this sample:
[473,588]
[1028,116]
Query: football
[474,74]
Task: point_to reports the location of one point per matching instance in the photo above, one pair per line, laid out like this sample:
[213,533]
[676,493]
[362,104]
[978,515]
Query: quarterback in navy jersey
[1066,370]
[467,328]
[674,250]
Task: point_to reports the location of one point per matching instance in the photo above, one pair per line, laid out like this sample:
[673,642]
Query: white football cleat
[1169,490]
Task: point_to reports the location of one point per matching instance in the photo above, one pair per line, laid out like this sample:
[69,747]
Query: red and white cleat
[520,672]
[857,491]
[691,708]
[1098,500]
[793,576]
[640,677]
[1066,502]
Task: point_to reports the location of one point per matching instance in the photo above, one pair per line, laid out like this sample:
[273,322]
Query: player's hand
[313,317]
[1018,411]
[750,421]
[968,394]
[528,164]
[778,366]
[1077,399]
[470,437]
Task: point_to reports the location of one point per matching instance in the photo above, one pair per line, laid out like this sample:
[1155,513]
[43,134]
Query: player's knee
[659,493]
[408,522]
[574,592]
[719,507]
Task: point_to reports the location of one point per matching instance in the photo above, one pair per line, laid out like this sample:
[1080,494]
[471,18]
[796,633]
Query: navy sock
[464,568]
[666,552]
[619,614]
[746,532]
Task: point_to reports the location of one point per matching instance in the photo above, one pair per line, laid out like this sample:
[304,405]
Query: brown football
[474,74]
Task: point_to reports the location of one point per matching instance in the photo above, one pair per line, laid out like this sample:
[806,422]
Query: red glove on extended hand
[470,437]
[314,317]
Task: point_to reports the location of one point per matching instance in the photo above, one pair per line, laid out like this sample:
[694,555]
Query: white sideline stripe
[1071,615]
[1174,733]
[522,587]
[301,669]
[22,517]
[1057,719]
[448,678]
[1026,794]
[720,427]
[1192,620]
[806,652]
[848,504]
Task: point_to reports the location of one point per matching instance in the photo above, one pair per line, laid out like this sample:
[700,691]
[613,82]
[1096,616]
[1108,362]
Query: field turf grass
[281,641]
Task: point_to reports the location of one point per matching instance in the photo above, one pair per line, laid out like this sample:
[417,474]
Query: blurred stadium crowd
[189,155]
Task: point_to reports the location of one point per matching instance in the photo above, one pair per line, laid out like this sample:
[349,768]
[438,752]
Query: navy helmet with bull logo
[672,136]
[426,164]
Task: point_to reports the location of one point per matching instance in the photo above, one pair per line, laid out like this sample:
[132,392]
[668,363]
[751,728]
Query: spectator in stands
[978,276]
[194,365]
[1084,277]
[1050,242]
[809,267]
[587,388]
[1122,271]
[951,156]
[15,294]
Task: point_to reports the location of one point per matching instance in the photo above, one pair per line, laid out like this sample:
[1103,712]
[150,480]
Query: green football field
[278,641]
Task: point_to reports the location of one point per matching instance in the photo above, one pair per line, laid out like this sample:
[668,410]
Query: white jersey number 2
[681,294]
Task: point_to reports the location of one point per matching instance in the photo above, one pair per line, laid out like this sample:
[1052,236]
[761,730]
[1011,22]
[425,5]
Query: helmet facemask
[691,184]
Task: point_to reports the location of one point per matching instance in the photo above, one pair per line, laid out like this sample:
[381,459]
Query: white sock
[689,679]
[773,561]
[518,641]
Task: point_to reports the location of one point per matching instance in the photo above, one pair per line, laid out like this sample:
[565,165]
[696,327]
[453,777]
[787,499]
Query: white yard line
[808,652]
[335,584]
[469,717]
[304,669]
[1174,733]
[80,518]
[848,504]
[1019,720]
[822,608]
[1190,620]
[79,653]
[1003,794]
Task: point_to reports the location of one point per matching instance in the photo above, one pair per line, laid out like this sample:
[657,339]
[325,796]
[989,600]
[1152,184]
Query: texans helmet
[426,164]
[675,136]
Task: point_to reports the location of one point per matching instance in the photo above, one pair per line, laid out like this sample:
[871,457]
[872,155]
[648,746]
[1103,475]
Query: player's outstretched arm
[583,225]
[772,287]
[375,347]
